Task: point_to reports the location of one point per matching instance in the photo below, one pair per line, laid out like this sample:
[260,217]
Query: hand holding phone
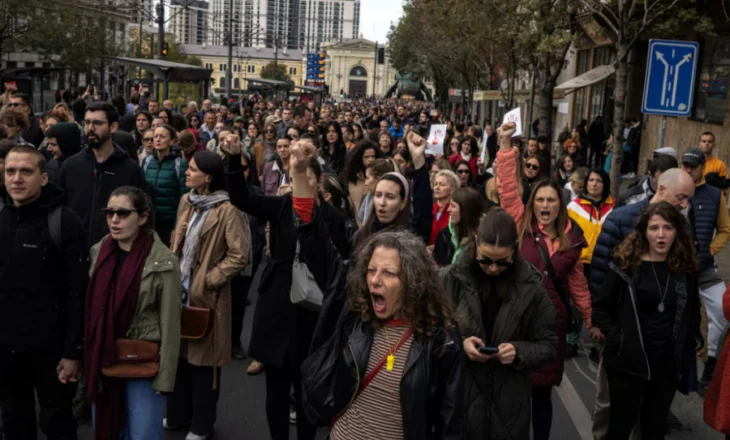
[486,349]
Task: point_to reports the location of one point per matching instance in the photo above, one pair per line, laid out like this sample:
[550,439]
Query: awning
[175,72]
[271,83]
[589,78]
[520,94]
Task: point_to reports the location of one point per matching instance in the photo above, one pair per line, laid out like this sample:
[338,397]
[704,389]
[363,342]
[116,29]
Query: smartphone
[488,350]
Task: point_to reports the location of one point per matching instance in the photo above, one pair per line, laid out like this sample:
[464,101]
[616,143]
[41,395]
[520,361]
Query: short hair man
[90,176]
[302,117]
[153,106]
[43,276]
[646,188]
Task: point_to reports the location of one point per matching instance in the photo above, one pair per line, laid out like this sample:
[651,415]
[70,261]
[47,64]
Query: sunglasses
[270,131]
[486,261]
[147,139]
[532,166]
[16,104]
[462,171]
[122,213]
[311,132]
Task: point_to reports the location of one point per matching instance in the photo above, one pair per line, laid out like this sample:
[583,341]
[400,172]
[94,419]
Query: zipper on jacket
[357,371]
[638,327]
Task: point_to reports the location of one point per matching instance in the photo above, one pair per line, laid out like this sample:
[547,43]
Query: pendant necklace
[660,307]
[390,359]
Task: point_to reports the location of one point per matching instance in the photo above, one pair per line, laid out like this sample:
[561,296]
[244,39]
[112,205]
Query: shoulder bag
[573,321]
[136,359]
[304,289]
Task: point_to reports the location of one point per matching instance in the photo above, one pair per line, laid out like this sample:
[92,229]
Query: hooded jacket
[88,185]
[166,178]
[497,397]
[42,285]
[68,138]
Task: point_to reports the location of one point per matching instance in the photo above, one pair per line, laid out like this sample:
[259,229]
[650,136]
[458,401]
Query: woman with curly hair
[506,321]
[394,356]
[648,308]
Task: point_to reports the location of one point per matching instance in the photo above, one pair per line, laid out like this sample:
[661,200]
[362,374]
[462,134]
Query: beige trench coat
[223,250]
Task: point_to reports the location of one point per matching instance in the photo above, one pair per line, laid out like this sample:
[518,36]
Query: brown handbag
[136,359]
[194,322]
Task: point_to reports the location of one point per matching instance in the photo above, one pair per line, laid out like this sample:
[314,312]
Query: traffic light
[165,49]
[321,64]
[381,55]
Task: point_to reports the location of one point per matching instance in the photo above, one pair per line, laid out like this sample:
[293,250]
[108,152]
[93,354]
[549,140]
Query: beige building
[350,69]
[247,64]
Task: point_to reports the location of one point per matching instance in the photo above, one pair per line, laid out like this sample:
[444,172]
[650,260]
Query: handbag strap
[374,372]
[296,252]
[552,274]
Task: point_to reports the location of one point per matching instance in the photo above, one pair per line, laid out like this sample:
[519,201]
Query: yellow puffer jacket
[590,218]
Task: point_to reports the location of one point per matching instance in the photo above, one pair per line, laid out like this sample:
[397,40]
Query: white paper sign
[484,147]
[514,116]
[563,108]
[435,143]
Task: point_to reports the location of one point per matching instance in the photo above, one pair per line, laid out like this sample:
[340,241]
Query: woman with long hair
[465,173]
[193,121]
[444,185]
[385,320]
[469,153]
[253,137]
[276,171]
[550,241]
[133,295]
[264,152]
[564,169]
[359,136]
[506,322]
[402,158]
[212,242]
[148,145]
[373,173]
[164,171]
[648,308]
[143,122]
[353,174]
[466,210]
[454,146]
[333,151]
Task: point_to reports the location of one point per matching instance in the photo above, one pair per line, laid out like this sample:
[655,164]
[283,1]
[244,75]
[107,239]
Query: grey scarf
[201,207]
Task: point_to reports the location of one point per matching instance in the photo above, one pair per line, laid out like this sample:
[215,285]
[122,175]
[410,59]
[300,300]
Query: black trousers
[22,375]
[240,286]
[634,399]
[278,383]
[542,412]
[194,400]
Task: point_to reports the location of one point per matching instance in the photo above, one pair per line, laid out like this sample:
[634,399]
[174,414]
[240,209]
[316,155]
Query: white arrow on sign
[675,73]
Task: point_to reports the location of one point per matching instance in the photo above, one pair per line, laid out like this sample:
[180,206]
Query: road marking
[577,410]
[583,373]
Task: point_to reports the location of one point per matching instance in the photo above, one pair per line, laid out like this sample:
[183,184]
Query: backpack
[54,226]
[148,159]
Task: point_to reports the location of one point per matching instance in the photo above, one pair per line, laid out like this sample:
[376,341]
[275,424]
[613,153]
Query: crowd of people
[133,232]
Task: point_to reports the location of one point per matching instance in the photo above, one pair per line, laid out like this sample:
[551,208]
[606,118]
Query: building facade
[351,70]
[189,21]
[257,23]
[247,64]
[322,21]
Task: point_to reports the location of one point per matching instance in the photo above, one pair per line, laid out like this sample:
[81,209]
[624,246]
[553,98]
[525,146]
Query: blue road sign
[670,77]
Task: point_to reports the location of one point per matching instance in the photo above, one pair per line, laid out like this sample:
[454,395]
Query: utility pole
[229,69]
[160,30]
[276,52]
[375,68]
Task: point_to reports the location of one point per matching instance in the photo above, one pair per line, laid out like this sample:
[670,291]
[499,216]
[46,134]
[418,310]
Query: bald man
[674,186]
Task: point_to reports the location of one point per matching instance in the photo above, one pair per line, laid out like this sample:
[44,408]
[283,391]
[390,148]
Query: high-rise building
[189,21]
[143,11]
[256,23]
[324,21]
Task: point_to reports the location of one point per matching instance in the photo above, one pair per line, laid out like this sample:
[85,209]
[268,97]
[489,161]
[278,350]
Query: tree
[276,72]
[628,21]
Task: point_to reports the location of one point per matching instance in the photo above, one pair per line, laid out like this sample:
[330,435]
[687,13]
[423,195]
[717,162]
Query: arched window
[236,83]
[221,82]
[358,71]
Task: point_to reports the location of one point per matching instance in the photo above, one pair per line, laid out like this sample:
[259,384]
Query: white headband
[402,180]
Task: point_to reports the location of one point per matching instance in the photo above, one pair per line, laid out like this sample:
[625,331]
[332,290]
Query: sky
[376,17]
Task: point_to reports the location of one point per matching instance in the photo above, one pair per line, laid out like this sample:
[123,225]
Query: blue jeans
[144,411]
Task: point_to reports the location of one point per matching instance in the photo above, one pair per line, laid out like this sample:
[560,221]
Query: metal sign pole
[662,129]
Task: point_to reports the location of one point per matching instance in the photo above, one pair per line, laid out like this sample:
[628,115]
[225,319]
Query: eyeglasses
[270,131]
[16,104]
[486,261]
[96,124]
[462,171]
[147,139]
[532,166]
[122,213]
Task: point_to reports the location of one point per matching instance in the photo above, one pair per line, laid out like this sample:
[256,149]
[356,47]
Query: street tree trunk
[619,109]
[545,107]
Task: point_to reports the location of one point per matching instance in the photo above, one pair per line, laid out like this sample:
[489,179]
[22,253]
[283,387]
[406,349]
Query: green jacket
[167,180]
[157,318]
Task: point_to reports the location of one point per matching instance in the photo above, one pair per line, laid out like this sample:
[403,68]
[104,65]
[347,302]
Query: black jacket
[497,397]
[68,138]
[615,313]
[281,331]
[33,134]
[42,287]
[431,386]
[89,184]
[443,248]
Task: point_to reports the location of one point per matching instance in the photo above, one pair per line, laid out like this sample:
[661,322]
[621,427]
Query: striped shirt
[376,411]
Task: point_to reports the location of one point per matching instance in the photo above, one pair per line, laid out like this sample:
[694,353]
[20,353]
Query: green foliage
[276,72]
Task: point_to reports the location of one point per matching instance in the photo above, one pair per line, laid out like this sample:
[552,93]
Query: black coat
[281,331]
[615,313]
[497,397]
[33,134]
[431,386]
[89,184]
[443,248]
[42,287]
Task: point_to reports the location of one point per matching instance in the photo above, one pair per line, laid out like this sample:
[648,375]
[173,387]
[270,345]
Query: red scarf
[110,306]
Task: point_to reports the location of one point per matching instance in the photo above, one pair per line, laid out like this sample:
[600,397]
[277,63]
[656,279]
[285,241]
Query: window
[209,66]
[236,83]
[292,71]
[222,67]
[712,82]
[251,69]
[221,82]
[358,71]
[584,58]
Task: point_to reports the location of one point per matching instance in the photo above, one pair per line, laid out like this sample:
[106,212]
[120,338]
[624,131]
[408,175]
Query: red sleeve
[509,196]
[304,208]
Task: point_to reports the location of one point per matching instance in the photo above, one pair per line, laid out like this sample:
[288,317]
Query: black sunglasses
[486,261]
[122,213]
[270,131]
[532,166]
[147,139]
[463,171]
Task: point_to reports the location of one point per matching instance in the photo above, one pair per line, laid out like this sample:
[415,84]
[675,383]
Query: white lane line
[583,373]
[576,409]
